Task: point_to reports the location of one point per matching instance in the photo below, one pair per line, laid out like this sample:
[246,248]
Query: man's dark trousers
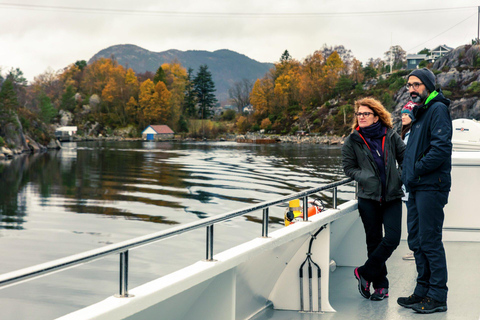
[425,222]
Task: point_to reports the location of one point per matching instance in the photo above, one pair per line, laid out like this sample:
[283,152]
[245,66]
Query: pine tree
[190,98]
[160,76]
[8,96]
[47,111]
[204,89]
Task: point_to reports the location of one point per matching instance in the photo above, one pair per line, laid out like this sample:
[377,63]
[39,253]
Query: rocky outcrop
[66,117]
[466,56]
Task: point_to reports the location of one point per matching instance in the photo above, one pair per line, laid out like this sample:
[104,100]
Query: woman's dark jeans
[377,216]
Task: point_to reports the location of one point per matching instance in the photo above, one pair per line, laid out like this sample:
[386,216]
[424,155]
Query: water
[91,194]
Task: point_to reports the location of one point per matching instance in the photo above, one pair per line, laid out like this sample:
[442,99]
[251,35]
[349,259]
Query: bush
[228,115]
[2,142]
[294,129]
[452,83]
[447,93]
[474,87]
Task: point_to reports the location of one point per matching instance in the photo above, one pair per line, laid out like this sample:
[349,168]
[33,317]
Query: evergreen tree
[47,111]
[160,76]
[68,99]
[182,124]
[286,57]
[204,89]
[190,99]
[8,96]
[81,64]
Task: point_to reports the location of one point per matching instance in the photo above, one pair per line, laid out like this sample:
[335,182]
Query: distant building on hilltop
[440,51]
[413,60]
[158,132]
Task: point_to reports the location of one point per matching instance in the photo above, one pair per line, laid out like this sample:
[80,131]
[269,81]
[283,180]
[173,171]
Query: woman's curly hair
[378,110]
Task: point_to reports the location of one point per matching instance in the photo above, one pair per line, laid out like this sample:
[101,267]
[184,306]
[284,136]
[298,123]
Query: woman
[370,155]
[407,116]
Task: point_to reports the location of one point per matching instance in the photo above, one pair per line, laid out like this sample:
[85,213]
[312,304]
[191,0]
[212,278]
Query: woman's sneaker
[379,294]
[410,301]
[363,285]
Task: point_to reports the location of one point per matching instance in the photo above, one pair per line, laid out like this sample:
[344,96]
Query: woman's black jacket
[358,163]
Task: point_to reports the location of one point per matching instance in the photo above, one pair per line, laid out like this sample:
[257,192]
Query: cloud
[34,39]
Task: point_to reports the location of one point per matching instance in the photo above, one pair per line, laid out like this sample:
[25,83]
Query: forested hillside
[315,95]
[227,67]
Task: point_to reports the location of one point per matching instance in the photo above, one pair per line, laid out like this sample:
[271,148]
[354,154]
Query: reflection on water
[158,182]
[95,193]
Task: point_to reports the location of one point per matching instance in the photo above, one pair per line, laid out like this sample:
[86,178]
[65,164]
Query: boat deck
[463,259]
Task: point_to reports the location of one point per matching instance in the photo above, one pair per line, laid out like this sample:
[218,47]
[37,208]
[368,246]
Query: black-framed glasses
[415,85]
[363,114]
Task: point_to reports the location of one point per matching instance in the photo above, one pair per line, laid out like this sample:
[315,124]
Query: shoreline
[6,153]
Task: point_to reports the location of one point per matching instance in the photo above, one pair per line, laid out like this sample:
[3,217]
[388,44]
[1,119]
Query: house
[157,132]
[248,109]
[413,60]
[440,51]
[65,133]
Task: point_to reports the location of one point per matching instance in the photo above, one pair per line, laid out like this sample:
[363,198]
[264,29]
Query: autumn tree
[204,89]
[331,71]
[262,96]
[176,81]
[153,103]
[397,56]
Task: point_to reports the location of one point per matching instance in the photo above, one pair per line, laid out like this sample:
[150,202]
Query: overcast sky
[38,35]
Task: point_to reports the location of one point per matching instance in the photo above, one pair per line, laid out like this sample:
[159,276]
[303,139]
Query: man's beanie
[426,76]
[408,109]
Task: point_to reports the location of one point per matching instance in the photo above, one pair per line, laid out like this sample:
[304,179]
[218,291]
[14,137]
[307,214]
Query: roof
[161,129]
[416,56]
[444,47]
[67,128]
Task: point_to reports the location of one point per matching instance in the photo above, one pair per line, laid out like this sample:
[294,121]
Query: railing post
[265,223]
[209,256]
[305,208]
[335,198]
[123,283]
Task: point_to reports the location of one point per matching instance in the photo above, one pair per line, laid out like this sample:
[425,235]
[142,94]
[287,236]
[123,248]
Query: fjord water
[90,194]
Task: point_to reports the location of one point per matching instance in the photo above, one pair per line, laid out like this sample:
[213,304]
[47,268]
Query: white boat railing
[26,274]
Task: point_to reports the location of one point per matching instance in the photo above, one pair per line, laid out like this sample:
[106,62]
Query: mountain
[226,66]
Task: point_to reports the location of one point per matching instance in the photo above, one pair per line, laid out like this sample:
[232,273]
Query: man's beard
[419,98]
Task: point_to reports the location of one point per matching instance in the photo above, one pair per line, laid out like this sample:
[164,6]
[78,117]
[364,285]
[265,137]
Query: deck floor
[463,259]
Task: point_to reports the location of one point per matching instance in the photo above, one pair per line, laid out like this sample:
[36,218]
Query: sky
[41,36]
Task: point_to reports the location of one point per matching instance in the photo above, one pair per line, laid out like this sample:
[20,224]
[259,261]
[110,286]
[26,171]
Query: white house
[65,133]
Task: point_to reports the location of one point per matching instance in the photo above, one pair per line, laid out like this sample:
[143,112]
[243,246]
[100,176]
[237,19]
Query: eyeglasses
[363,114]
[415,85]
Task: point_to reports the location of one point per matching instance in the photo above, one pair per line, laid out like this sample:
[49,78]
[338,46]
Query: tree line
[293,95]
[107,93]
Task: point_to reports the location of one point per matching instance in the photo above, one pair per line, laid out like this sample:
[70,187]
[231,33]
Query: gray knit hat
[426,76]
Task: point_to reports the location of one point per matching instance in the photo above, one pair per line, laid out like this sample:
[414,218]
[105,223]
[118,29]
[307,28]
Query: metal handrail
[30,273]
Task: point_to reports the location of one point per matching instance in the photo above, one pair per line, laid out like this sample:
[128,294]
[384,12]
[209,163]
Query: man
[426,174]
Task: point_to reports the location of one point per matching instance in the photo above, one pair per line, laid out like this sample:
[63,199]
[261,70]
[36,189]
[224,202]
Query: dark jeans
[379,247]
[425,222]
